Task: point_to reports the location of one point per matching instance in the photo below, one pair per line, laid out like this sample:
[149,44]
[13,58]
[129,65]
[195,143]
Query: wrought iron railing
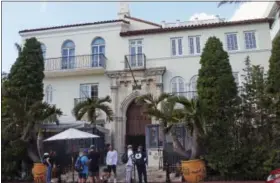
[188,94]
[75,62]
[136,61]
[78,100]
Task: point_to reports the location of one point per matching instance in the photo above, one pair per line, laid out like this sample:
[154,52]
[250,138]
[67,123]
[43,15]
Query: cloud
[202,16]
[43,7]
[250,10]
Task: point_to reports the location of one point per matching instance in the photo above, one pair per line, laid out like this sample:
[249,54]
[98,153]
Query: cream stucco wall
[156,47]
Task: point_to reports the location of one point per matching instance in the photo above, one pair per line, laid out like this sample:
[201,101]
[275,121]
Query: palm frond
[105,99]
[18,47]
[221,3]
[80,109]
[107,110]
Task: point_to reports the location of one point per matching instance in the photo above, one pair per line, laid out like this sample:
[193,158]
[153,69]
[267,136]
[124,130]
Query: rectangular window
[250,40]
[136,58]
[231,39]
[176,47]
[194,45]
[88,90]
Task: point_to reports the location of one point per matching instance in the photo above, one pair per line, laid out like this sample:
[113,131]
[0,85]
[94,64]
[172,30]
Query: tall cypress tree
[274,67]
[25,79]
[216,86]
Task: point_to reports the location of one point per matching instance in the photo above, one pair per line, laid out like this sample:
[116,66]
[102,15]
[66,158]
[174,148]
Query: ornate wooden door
[136,120]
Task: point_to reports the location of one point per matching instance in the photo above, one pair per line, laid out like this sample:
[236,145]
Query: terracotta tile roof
[141,20]
[72,25]
[191,27]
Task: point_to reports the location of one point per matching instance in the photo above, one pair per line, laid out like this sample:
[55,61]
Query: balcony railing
[76,62]
[188,94]
[78,100]
[136,61]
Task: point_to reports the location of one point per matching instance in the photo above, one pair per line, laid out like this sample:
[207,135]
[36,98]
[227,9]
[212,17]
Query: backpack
[125,158]
[79,167]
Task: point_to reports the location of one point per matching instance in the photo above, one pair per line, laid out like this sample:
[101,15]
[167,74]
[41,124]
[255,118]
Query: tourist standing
[111,162]
[129,164]
[47,162]
[93,164]
[141,161]
[81,166]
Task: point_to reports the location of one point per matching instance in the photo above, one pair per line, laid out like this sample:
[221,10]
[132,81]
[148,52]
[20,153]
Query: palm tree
[221,3]
[18,116]
[91,106]
[194,121]
[163,110]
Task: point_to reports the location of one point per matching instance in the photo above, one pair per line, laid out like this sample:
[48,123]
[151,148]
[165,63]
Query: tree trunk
[32,154]
[40,144]
[195,146]
[178,146]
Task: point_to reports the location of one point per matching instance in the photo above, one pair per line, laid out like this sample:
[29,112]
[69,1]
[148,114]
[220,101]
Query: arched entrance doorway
[135,125]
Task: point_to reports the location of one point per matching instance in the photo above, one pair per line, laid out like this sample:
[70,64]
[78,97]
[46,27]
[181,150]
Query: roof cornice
[72,26]
[198,26]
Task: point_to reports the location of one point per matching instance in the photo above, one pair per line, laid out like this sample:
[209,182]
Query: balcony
[75,65]
[136,61]
[189,94]
[78,100]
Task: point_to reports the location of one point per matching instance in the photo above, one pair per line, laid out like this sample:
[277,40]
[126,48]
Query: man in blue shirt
[84,162]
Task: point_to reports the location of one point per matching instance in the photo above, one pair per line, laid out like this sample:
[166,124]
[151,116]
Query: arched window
[98,52]
[193,83]
[44,49]
[49,93]
[193,86]
[68,55]
[178,85]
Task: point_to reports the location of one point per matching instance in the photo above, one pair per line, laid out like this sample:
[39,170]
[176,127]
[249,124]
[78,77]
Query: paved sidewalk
[154,175]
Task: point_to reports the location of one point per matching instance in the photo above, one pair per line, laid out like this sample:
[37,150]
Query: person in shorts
[84,161]
[93,164]
[111,161]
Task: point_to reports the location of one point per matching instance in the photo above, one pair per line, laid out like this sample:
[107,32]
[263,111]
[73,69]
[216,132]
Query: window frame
[227,43]
[71,60]
[245,41]
[176,39]
[90,85]
[138,56]
[49,94]
[177,81]
[97,59]
[194,45]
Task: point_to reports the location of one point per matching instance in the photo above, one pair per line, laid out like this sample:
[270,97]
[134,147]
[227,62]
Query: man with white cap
[129,164]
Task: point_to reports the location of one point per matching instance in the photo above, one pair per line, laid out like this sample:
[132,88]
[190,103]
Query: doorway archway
[136,125]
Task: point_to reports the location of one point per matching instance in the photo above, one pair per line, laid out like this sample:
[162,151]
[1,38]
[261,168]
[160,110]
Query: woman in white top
[111,161]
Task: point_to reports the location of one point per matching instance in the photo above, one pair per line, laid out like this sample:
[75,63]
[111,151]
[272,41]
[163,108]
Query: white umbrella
[72,133]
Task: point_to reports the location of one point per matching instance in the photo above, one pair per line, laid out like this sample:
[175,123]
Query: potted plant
[163,109]
[193,169]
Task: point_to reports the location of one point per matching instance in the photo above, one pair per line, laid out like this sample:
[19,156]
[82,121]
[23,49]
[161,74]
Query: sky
[17,16]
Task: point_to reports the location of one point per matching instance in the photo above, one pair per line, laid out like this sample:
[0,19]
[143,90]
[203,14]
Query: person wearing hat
[83,159]
[93,157]
[47,162]
[129,165]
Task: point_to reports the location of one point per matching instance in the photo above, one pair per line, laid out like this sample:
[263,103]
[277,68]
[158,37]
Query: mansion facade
[89,60]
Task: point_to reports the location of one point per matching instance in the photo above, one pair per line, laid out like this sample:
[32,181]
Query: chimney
[123,10]
[163,24]
[178,22]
